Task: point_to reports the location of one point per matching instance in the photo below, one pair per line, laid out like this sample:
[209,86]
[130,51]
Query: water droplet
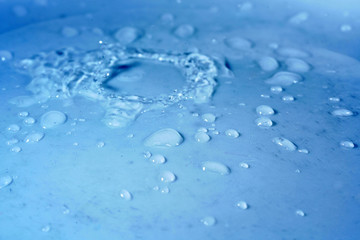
[167,18]
[345,28]
[300,213]
[202,137]
[242,205]
[284,79]
[5,55]
[13,128]
[126,195]
[215,167]
[238,43]
[12,141]
[265,96]
[166,137]
[284,143]
[347,144]
[268,64]
[127,35]
[263,122]
[297,65]
[69,32]
[342,112]
[16,149]
[184,31]
[46,228]
[157,159]
[52,119]
[29,121]
[66,210]
[147,154]
[167,177]
[299,18]
[265,110]
[5,180]
[100,144]
[165,190]
[334,99]
[232,133]
[276,89]
[23,114]
[303,151]
[34,137]
[244,165]
[288,98]
[208,221]
[208,117]
[202,130]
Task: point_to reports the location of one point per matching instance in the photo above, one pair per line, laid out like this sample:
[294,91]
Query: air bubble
[264,110]
[52,119]
[167,137]
[284,143]
[215,167]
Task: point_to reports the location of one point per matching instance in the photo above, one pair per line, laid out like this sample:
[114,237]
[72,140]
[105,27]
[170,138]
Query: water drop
[34,137]
[127,35]
[264,110]
[166,137]
[157,159]
[69,32]
[215,167]
[184,31]
[13,128]
[299,18]
[23,114]
[147,154]
[100,144]
[242,205]
[16,149]
[244,165]
[297,65]
[126,195]
[66,210]
[288,98]
[202,130]
[208,221]
[334,99]
[52,119]
[284,79]
[268,64]
[238,43]
[284,143]
[202,137]
[342,112]
[345,28]
[232,133]
[165,190]
[300,213]
[167,177]
[276,89]
[263,122]
[208,117]
[46,228]
[347,144]
[29,121]
[12,141]
[5,180]
[5,55]
[303,151]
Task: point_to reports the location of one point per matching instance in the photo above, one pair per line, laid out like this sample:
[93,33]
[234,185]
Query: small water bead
[12,141]
[288,98]
[244,165]
[13,128]
[147,154]
[334,99]
[184,31]
[265,96]
[264,110]
[127,35]
[276,89]
[46,228]
[208,221]
[5,55]
[208,117]
[238,43]
[303,151]
[23,114]
[166,137]
[342,112]
[242,205]
[347,144]
[16,149]
[100,144]
[53,119]
[167,177]
[5,180]
[215,132]
[263,122]
[284,143]
[157,159]
[69,32]
[345,28]
[165,190]
[29,121]
[215,167]
[299,18]
[126,195]
[268,64]
[232,133]
[202,137]
[297,65]
[34,137]
[202,130]
[284,79]
[300,213]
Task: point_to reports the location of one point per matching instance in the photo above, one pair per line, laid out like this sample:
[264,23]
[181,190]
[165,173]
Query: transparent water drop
[238,43]
[268,64]
[347,144]
[29,121]
[345,28]
[165,190]
[23,114]
[16,149]
[299,18]
[66,210]
[127,35]
[334,99]
[284,79]
[342,112]
[288,98]
[263,122]
[264,110]
[126,195]
[69,32]
[5,55]
[284,143]
[265,96]
[12,141]
[276,89]
[34,137]
[46,228]
[202,130]
[147,154]
[166,137]
[208,117]
[300,213]
[202,137]
[157,159]
[297,65]
[184,31]
[242,205]
[167,177]
[303,151]
[52,119]
[100,144]
[208,221]
[244,165]
[215,167]
[232,133]
[5,180]
[13,128]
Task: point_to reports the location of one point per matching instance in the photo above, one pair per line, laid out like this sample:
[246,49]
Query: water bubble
[342,112]
[29,121]
[13,128]
[208,221]
[244,165]
[215,167]
[5,55]
[208,117]
[263,122]
[100,144]
[15,149]
[238,43]
[184,31]
[202,137]
[69,32]
[288,98]
[46,228]
[284,143]
[268,64]
[276,89]
[232,133]
[5,180]
[167,177]
[264,110]
[300,213]
[297,65]
[292,52]
[166,137]
[345,28]
[242,205]
[157,159]
[52,119]
[334,99]
[127,35]
[23,114]
[347,144]
[126,195]
[34,137]
[284,79]
[12,141]
[299,18]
